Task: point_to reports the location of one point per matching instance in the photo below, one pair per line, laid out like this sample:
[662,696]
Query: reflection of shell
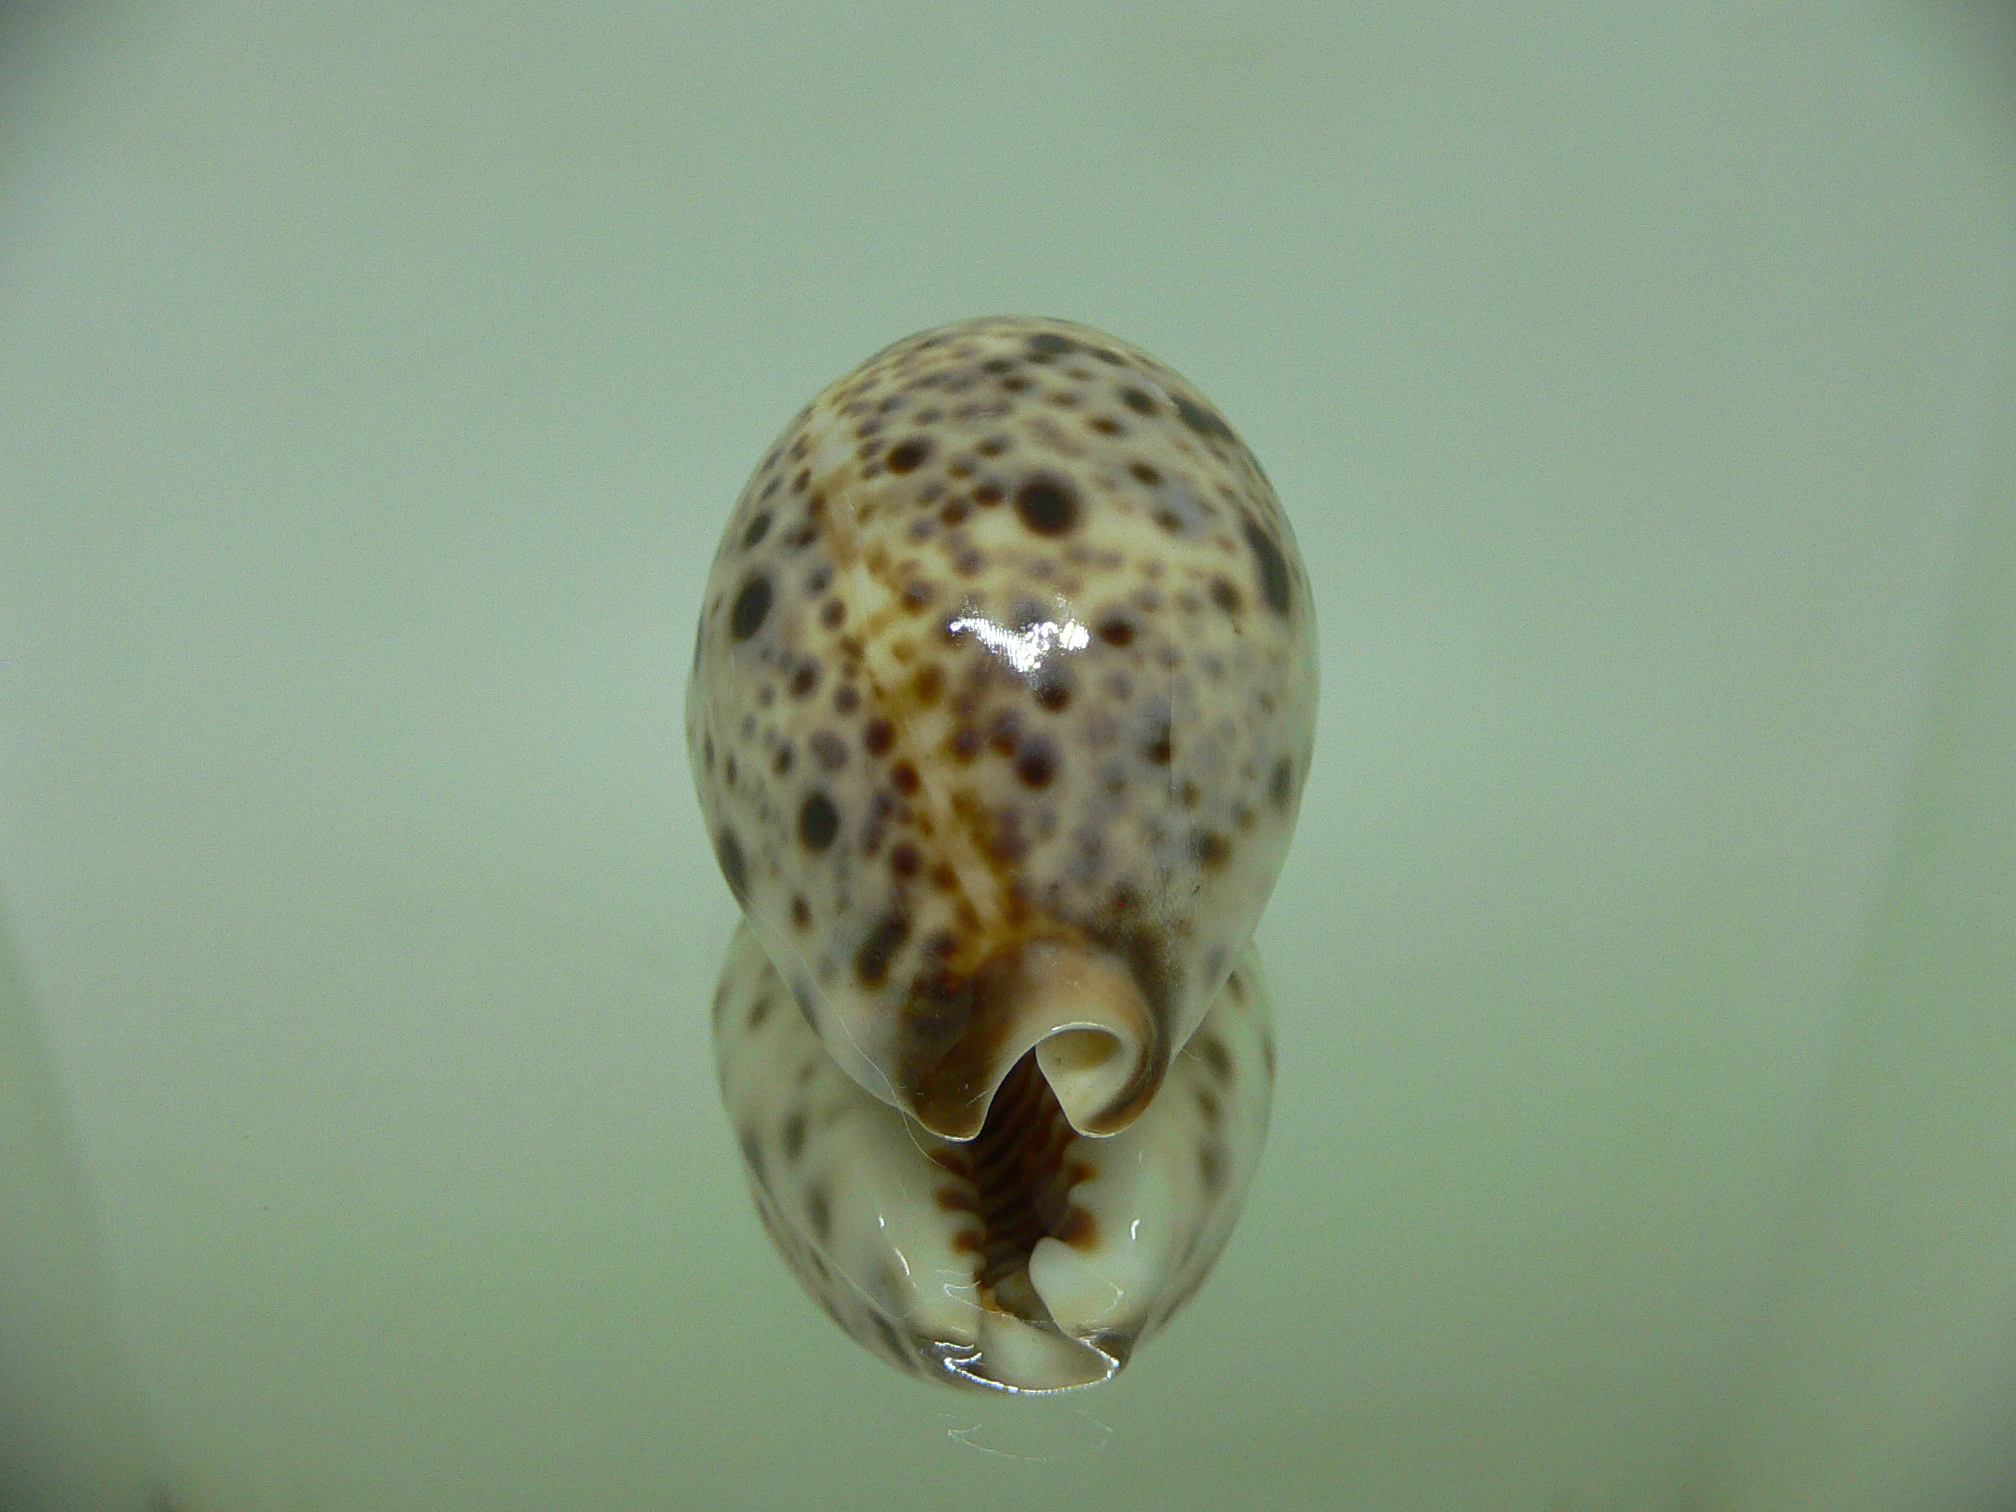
[1032,1258]
[1002,702]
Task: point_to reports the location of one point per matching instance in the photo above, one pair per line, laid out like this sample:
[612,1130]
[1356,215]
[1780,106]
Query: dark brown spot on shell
[872,960]
[880,737]
[828,749]
[908,457]
[1203,420]
[752,603]
[1047,504]
[1210,849]
[1273,566]
[1037,764]
[818,821]
[1159,748]
[1281,786]
[758,528]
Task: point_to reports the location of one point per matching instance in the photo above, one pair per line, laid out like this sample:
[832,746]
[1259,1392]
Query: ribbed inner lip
[1016,1181]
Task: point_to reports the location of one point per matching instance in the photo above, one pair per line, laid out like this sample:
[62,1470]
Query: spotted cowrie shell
[1002,702]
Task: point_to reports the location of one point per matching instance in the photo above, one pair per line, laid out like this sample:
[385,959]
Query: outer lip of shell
[1096,1041]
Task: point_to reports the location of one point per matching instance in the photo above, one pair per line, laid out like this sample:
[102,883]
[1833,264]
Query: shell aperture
[1001,705]
[1029,1259]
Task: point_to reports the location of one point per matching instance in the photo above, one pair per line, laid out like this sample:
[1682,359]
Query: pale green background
[374,378]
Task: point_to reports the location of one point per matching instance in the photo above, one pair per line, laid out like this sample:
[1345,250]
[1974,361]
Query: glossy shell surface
[1001,707]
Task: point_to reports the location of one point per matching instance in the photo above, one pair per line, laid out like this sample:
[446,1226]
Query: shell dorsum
[1002,704]
[1001,707]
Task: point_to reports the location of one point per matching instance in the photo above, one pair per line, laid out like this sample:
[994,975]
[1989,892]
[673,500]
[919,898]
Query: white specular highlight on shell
[1002,703]
[1027,649]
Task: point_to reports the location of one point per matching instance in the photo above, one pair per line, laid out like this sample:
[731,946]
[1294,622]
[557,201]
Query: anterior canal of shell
[1002,703]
